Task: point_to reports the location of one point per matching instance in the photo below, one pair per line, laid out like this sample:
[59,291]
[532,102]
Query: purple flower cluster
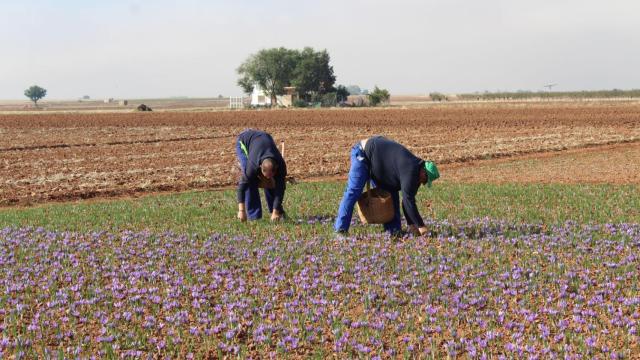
[478,289]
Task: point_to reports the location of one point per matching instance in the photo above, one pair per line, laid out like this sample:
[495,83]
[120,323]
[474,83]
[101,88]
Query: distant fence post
[236,102]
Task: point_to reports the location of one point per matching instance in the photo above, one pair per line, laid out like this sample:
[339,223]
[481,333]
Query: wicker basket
[375,206]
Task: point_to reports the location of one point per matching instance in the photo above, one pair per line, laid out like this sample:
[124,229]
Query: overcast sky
[161,48]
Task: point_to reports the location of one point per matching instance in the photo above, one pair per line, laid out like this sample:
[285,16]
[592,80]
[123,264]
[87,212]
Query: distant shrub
[342,93]
[329,99]
[299,103]
[436,96]
[379,96]
[354,90]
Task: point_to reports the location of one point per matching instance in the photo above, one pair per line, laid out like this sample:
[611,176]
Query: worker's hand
[242,213]
[413,230]
[276,215]
[423,230]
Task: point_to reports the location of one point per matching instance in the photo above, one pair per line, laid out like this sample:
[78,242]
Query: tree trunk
[274,98]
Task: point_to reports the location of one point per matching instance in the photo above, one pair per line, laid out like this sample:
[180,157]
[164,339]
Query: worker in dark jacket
[393,168]
[260,162]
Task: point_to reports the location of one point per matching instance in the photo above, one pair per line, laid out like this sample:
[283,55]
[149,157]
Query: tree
[354,90]
[436,96]
[313,75]
[342,93]
[272,69]
[35,93]
[378,96]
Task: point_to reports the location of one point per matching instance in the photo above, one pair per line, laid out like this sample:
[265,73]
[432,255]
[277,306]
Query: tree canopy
[35,93]
[272,69]
[342,93]
[313,74]
[276,68]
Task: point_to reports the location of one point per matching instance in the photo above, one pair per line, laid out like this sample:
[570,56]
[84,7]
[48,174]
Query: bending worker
[261,165]
[393,168]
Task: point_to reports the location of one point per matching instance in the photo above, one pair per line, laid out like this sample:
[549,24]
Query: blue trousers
[358,177]
[252,201]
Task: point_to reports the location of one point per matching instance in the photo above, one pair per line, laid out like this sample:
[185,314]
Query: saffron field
[508,271]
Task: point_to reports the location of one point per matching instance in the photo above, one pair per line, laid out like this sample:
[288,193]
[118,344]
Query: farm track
[60,157]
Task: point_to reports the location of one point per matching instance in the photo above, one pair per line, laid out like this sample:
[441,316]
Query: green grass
[214,211]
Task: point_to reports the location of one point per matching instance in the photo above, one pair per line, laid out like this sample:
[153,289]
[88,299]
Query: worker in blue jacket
[393,168]
[260,162]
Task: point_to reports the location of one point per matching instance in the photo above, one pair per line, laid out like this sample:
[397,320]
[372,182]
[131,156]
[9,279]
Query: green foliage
[246,82]
[329,99]
[379,96]
[274,69]
[299,103]
[323,100]
[313,74]
[342,93]
[35,93]
[436,96]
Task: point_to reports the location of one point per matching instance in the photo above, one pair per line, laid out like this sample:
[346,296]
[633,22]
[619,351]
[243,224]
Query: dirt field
[611,164]
[48,157]
[23,106]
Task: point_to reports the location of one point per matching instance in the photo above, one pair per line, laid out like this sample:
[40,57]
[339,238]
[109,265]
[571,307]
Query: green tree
[272,69]
[378,96]
[342,93]
[313,74]
[35,93]
[436,96]
[354,90]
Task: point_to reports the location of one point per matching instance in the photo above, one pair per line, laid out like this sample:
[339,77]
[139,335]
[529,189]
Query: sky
[161,48]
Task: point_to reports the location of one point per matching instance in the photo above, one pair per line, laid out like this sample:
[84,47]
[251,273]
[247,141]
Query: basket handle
[368,187]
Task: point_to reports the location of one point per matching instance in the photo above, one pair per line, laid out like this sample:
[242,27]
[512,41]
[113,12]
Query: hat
[432,172]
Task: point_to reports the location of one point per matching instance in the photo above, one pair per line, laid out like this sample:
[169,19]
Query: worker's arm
[242,212]
[412,228]
[409,189]
[411,210]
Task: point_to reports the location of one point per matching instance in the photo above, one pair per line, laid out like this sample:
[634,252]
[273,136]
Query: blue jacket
[259,146]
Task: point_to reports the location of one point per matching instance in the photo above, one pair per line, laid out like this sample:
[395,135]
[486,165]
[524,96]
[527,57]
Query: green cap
[432,172]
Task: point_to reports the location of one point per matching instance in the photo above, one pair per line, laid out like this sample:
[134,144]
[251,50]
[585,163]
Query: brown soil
[610,164]
[57,157]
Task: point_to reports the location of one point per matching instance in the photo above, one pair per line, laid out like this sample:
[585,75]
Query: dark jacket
[260,146]
[394,168]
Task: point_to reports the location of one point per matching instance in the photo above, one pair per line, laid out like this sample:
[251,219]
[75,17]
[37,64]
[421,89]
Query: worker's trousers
[359,174]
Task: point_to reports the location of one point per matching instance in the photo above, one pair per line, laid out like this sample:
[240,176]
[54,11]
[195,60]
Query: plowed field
[48,157]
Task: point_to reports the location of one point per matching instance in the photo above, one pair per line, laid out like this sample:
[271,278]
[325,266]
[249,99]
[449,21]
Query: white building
[259,98]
